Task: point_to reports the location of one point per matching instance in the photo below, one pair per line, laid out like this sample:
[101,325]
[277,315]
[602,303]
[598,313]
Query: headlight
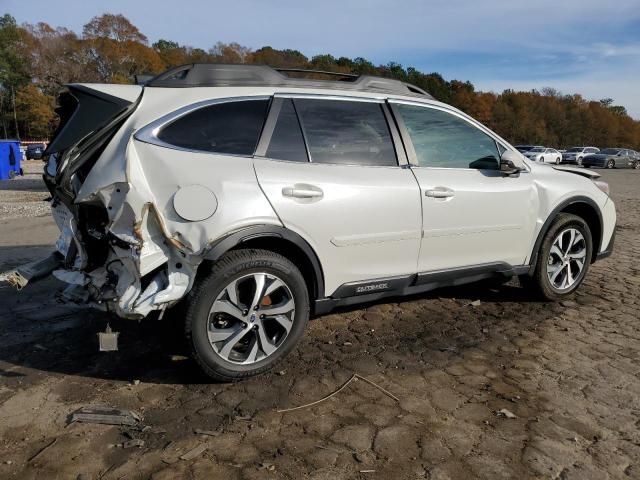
[603,186]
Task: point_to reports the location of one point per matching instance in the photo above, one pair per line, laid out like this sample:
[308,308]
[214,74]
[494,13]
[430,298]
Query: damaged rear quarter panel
[136,182]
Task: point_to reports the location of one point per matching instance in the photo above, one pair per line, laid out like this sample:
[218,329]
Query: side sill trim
[355,293]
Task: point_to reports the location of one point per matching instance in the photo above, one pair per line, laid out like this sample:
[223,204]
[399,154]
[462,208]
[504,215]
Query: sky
[591,47]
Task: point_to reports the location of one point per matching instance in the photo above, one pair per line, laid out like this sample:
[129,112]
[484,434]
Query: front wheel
[611,164]
[579,161]
[563,259]
[541,159]
[247,314]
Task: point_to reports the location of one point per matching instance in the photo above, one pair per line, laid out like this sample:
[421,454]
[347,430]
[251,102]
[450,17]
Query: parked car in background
[34,151]
[612,158]
[526,148]
[544,155]
[575,155]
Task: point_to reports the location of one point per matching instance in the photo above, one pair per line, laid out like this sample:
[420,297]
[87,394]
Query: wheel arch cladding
[583,207]
[279,240]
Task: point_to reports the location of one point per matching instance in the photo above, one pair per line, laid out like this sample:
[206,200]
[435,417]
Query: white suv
[253,199]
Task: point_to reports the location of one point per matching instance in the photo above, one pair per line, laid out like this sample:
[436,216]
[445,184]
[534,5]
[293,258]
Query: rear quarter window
[229,127]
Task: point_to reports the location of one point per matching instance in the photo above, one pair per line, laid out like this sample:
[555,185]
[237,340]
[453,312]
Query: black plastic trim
[609,250]
[93,111]
[552,216]
[402,286]
[234,239]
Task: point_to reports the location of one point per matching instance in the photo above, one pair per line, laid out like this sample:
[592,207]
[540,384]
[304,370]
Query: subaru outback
[253,200]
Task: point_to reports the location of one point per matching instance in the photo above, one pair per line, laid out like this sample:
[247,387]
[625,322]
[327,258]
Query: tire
[611,163]
[579,161]
[240,271]
[636,165]
[541,159]
[558,161]
[540,282]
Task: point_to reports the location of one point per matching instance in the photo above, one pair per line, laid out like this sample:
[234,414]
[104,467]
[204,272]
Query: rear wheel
[579,161]
[247,314]
[636,165]
[558,161]
[563,259]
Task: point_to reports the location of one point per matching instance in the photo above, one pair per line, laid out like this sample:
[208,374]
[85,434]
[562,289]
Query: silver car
[575,155]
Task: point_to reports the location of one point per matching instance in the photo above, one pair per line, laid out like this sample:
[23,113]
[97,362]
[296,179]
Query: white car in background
[544,155]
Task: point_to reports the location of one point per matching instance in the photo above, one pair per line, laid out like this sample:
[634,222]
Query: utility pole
[15,116]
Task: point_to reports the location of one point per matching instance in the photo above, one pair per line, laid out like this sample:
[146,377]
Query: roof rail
[321,72]
[227,75]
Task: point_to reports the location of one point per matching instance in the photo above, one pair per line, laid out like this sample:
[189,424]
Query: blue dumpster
[10,158]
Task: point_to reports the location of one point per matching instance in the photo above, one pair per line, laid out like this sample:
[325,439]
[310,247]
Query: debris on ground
[267,466]
[208,433]
[105,415]
[39,452]
[506,413]
[136,442]
[194,452]
[354,377]
[475,303]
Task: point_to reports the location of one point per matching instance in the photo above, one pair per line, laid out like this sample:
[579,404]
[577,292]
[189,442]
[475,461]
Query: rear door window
[346,132]
[228,127]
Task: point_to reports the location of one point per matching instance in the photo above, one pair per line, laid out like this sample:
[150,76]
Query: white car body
[371,229]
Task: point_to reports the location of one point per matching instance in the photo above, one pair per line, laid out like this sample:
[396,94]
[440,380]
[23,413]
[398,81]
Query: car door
[329,167]
[473,215]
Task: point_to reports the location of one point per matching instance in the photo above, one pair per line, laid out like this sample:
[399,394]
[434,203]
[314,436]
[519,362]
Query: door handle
[306,191]
[439,193]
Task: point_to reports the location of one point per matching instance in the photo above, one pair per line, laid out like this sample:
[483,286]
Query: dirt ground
[568,372]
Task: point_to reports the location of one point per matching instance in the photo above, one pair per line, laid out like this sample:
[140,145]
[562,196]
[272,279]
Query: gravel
[25,196]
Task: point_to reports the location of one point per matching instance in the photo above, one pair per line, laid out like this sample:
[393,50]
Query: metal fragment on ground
[194,452]
[105,415]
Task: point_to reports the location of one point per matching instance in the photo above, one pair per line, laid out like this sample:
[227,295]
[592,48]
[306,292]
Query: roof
[227,75]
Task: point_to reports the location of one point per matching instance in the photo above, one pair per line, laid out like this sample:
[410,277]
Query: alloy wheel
[567,259]
[251,318]
[611,164]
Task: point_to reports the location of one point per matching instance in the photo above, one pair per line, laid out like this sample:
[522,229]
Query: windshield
[610,151]
[575,149]
[537,149]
